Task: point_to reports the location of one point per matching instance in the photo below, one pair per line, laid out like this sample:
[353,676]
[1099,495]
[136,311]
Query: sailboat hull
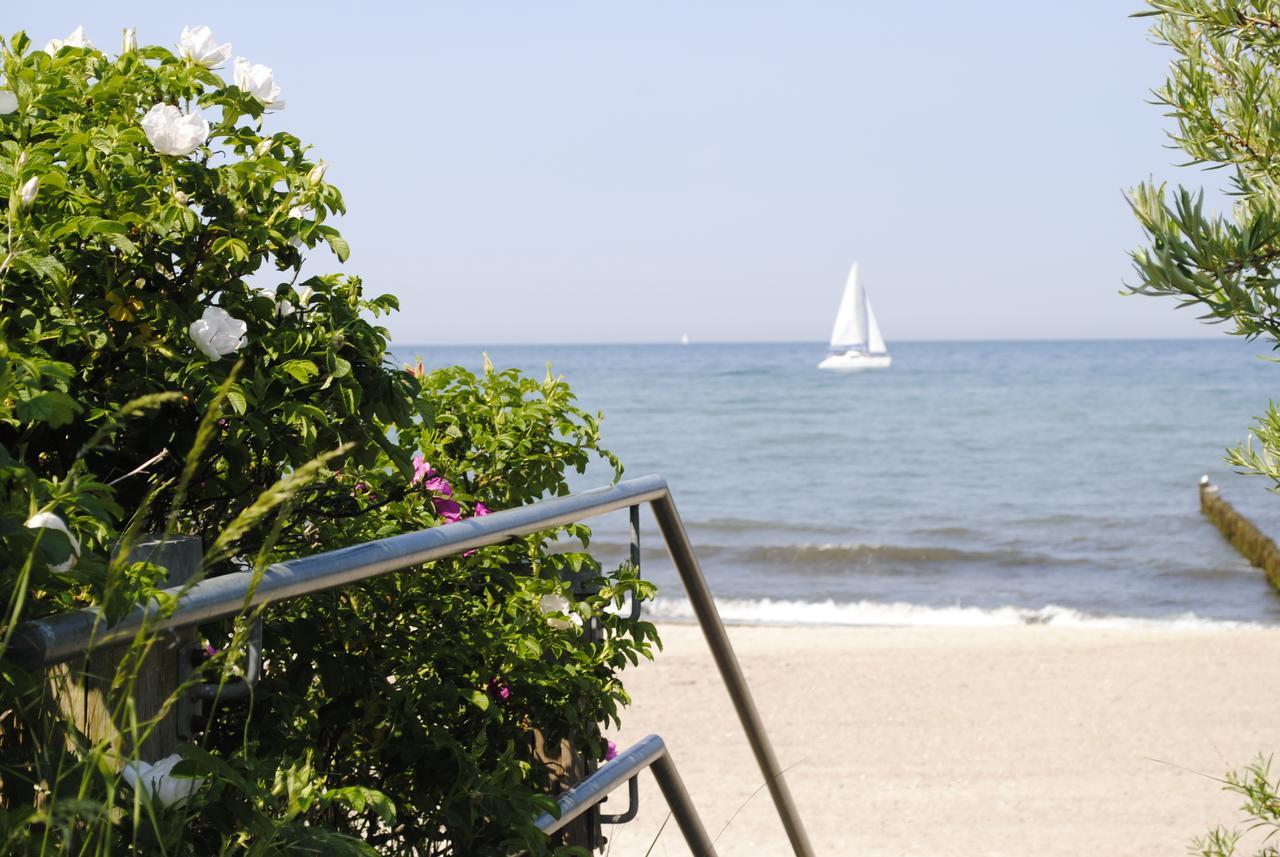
[855,361]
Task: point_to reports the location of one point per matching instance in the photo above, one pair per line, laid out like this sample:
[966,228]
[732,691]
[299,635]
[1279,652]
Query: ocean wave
[838,558]
[767,611]
[748,525]
[842,556]
[1087,523]
[946,532]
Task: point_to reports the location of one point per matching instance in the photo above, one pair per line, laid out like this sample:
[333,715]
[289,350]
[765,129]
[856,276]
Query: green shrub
[148,384]
[1223,93]
[1261,809]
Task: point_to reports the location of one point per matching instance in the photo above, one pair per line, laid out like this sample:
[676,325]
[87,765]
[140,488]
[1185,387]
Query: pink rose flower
[421,470]
[447,509]
[439,485]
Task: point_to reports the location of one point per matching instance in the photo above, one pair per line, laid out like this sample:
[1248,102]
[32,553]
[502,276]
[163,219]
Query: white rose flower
[130,40]
[304,295]
[75,40]
[173,132]
[217,334]
[50,521]
[29,191]
[317,173]
[198,45]
[158,780]
[283,306]
[258,81]
[8,101]
[555,603]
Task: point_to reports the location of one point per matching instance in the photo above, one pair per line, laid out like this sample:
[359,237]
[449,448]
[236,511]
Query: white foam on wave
[766,611]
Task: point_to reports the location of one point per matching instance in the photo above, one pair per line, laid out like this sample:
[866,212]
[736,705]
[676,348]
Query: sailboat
[856,342]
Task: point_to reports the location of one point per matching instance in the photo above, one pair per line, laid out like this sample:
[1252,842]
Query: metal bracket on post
[192,703]
[633,805]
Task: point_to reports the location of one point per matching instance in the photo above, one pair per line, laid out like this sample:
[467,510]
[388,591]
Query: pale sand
[1028,740]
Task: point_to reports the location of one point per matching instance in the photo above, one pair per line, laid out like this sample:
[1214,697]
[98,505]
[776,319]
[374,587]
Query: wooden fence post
[569,766]
[84,688]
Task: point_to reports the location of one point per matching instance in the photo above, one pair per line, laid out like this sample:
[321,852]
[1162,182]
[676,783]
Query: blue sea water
[971,483]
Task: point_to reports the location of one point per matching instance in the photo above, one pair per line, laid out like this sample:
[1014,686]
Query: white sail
[850,331]
[856,340]
[875,340]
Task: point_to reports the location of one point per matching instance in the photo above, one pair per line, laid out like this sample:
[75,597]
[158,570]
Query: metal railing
[650,752]
[57,639]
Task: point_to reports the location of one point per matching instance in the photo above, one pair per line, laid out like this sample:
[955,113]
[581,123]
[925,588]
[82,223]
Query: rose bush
[151,382]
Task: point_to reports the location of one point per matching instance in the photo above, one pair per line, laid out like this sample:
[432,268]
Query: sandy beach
[964,741]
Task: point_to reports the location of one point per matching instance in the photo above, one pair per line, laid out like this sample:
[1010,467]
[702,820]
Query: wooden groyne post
[1240,531]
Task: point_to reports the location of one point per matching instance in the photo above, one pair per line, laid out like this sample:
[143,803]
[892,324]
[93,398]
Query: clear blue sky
[599,172]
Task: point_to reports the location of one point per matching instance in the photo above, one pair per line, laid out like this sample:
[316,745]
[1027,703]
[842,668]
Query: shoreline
[868,614]
[990,740]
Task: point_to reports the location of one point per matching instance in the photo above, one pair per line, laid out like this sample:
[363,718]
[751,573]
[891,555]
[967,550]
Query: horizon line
[815,342]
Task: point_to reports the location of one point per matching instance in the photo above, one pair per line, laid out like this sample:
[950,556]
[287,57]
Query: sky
[559,172]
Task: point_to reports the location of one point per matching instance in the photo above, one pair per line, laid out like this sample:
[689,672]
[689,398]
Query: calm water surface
[971,483]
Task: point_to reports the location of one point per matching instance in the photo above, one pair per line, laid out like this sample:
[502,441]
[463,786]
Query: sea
[971,484]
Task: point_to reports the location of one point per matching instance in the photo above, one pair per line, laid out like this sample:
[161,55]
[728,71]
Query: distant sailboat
[856,342]
[684,339]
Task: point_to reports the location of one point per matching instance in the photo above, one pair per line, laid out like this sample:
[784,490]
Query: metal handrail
[649,752]
[54,640]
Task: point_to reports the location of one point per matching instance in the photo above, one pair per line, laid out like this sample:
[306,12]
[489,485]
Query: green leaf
[359,798]
[336,242]
[53,407]
[337,366]
[238,250]
[46,267]
[235,398]
[302,370]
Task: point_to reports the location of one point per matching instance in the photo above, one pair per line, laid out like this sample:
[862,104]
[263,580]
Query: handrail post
[686,563]
[664,771]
